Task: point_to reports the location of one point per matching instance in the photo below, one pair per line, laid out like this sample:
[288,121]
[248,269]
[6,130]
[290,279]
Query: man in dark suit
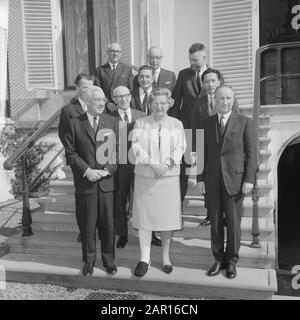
[162,78]
[140,95]
[205,107]
[114,73]
[76,108]
[92,152]
[230,165]
[123,195]
[187,90]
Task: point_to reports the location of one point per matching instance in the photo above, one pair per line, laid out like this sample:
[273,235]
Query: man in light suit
[230,166]
[205,107]
[123,195]
[114,73]
[92,152]
[76,108]
[162,78]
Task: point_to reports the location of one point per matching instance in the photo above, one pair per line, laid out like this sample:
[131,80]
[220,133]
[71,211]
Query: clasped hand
[159,169]
[94,174]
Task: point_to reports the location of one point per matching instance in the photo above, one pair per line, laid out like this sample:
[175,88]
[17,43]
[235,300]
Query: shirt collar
[142,91]
[111,64]
[122,112]
[83,104]
[226,116]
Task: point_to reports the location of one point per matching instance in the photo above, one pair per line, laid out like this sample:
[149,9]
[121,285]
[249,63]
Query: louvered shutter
[40,49]
[124,29]
[232,45]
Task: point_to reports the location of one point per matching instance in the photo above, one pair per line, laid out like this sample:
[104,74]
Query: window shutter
[232,45]
[124,29]
[40,48]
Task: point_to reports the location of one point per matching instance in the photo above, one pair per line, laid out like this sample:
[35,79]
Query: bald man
[114,73]
[91,144]
[162,78]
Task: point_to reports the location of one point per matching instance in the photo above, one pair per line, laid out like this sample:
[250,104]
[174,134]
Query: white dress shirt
[91,119]
[156,74]
[142,93]
[226,117]
[122,114]
[83,104]
[112,66]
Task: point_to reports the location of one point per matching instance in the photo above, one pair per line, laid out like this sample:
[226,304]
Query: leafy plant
[10,140]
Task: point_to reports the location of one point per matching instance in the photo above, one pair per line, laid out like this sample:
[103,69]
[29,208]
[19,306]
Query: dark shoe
[121,243]
[87,269]
[205,222]
[167,268]
[230,271]
[110,266]
[155,241]
[141,268]
[79,238]
[215,269]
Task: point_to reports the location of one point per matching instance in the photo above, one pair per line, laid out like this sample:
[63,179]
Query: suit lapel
[205,105]
[88,128]
[232,121]
[193,83]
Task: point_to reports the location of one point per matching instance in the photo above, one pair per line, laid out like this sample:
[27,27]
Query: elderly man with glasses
[114,73]
[125,175]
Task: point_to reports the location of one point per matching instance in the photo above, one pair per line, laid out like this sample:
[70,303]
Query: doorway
[289,207]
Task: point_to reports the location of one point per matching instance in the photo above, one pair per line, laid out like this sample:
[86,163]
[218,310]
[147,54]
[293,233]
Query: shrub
[10,140]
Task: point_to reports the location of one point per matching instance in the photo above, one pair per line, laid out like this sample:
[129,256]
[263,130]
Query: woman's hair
[161,92]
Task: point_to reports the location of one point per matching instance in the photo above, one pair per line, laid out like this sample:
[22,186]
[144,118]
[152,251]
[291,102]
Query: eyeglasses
[125,96]
[104,100]
[155,57]
[115,51]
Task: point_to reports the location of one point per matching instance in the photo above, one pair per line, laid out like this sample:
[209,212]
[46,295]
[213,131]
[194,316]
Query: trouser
[96,213]
[220,203]
[123,198]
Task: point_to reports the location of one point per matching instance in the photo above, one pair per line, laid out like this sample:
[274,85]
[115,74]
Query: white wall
[191,24]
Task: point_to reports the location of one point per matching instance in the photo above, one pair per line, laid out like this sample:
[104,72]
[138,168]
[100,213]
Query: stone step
[264,188]
[264,120]
[194,205]
[191,226]
[183,282]
[264,143]
[263,172]
[184,252]
[264,155]
[264,130]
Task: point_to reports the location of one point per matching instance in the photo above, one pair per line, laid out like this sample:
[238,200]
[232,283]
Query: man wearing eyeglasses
[114,73]
[162,78]
[125,175]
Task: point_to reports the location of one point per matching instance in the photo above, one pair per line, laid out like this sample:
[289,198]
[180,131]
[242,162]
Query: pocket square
[168,82]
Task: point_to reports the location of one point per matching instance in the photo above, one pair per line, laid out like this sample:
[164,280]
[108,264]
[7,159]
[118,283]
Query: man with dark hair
[162,78]
[205,107]
[114,73]
[230,165]
[140,95]
[187,90]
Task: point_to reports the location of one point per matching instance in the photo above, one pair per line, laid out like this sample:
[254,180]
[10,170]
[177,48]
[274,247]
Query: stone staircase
[52,254]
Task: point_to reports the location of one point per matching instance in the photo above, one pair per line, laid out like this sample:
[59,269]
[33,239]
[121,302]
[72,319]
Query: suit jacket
[108,81]
[81,152]
[136,102]
[233,156]
[166,79]
[74,110]
[136,114]
[185,94]
[145,145]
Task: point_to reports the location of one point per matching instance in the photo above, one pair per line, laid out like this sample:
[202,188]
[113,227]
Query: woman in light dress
[158,144]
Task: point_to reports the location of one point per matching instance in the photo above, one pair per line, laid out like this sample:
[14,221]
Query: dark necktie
[222,124]
[159,137]
[126,119]
[198,81]
[211,107]
[145,103]
[95,124]
[113,68]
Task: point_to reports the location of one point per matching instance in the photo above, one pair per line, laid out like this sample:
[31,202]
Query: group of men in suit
[201,102]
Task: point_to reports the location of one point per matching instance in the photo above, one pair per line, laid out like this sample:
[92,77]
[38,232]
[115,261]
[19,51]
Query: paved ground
[10,224]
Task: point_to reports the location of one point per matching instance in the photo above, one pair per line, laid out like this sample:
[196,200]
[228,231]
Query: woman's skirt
[157,203]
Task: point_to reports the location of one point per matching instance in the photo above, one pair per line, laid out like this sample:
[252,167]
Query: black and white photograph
[149,150]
